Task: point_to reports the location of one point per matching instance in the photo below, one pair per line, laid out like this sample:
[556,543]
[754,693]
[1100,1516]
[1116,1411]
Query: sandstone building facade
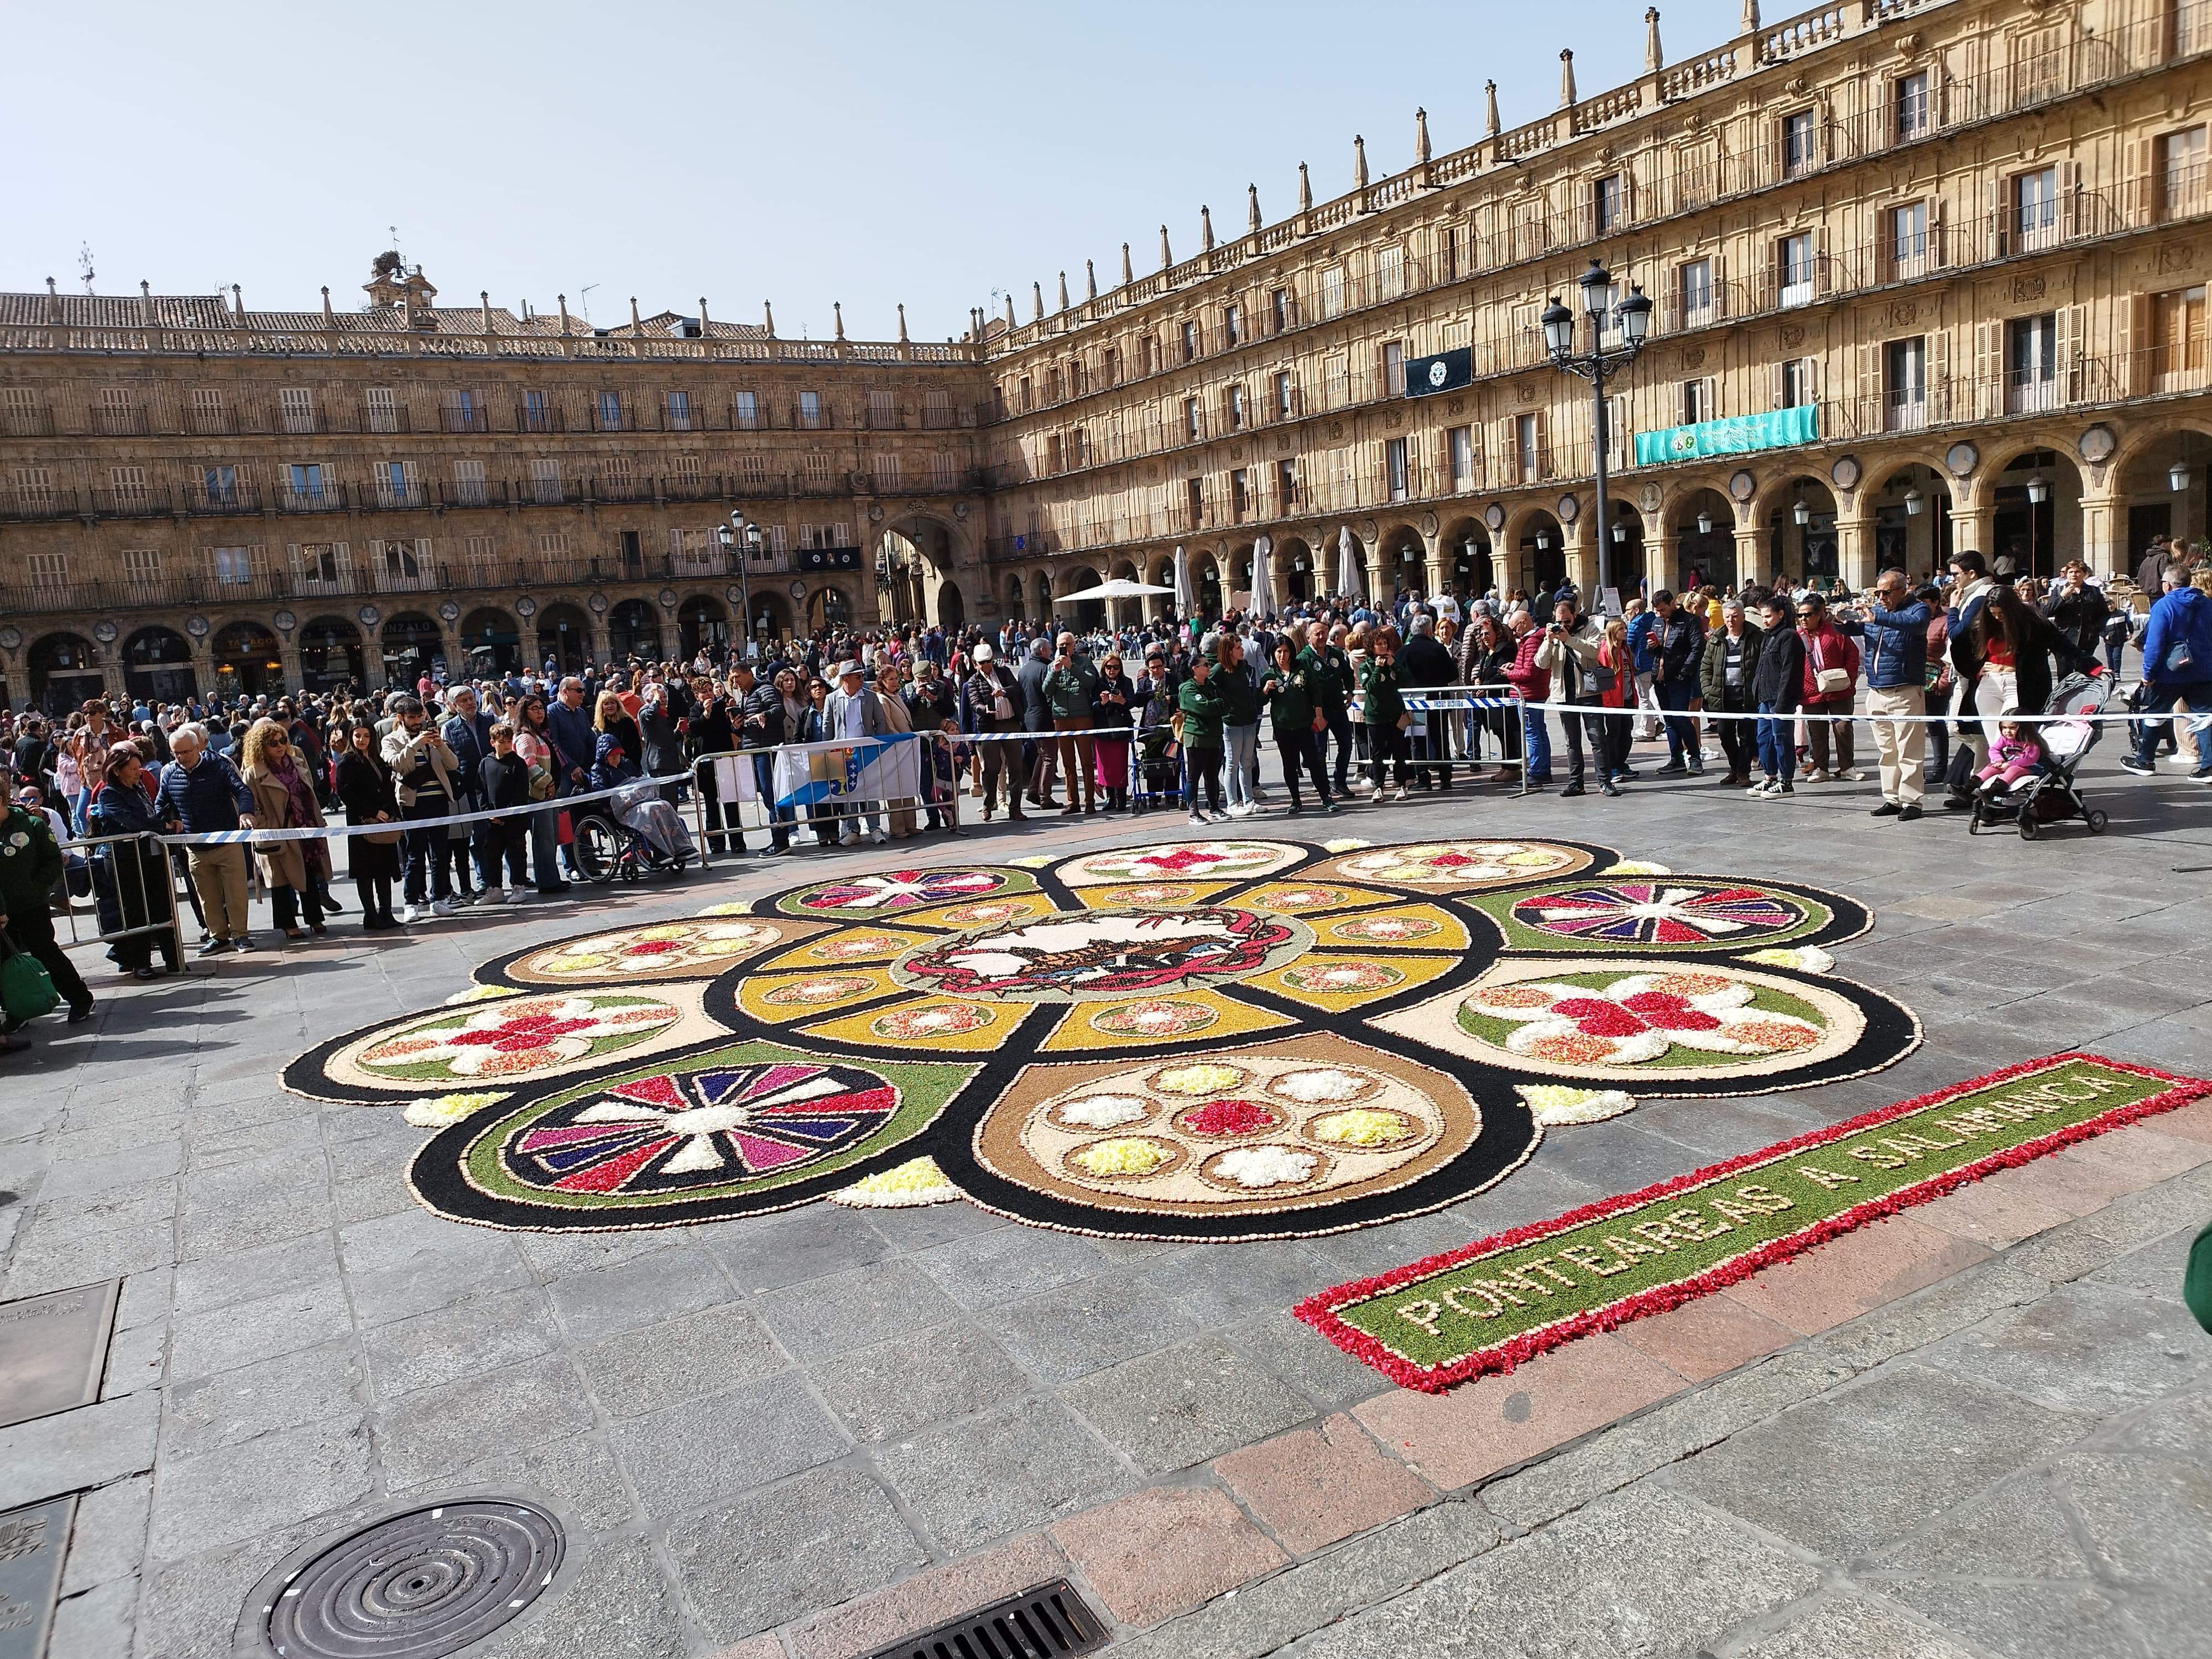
[1928,274]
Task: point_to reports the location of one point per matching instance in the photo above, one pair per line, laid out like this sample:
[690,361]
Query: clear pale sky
[869,153]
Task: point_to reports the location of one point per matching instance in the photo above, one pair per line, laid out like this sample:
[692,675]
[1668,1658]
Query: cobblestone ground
[1975,1432]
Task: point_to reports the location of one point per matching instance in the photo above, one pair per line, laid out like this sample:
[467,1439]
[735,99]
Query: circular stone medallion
[1098,956]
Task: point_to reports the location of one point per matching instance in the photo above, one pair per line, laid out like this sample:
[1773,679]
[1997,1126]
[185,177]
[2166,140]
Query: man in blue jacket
[1641,621]
[204,792]
[575,745]
[2177,655]
[1895,631]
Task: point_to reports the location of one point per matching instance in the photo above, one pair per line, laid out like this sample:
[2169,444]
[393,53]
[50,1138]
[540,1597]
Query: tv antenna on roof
[84,264]
[585,295]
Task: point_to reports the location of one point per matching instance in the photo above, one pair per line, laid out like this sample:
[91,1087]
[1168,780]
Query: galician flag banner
[872,768]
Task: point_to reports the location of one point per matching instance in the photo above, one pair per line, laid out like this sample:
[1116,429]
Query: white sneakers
[1401,794]
[877,837]
[1765,786]
[1242,809]
[413,913]
[849,838]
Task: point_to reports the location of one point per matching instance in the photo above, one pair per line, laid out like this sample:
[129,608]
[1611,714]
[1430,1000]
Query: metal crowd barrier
[157,902]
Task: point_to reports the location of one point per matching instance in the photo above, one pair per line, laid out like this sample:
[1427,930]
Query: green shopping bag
[2196,1280]
[25,990]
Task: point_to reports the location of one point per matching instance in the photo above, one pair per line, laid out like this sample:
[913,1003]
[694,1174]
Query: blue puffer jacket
[1896,650]
[208,798]
[2181,619]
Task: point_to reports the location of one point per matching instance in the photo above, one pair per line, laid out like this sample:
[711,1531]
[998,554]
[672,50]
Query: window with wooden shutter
[142,567]
[48,571]
[381,404]
[297,407]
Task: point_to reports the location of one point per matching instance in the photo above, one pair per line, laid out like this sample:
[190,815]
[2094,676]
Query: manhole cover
[418,1586]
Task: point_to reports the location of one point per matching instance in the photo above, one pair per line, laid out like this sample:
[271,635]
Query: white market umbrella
[1263,579]
[1182,583]
[1347,565]
[1120,588]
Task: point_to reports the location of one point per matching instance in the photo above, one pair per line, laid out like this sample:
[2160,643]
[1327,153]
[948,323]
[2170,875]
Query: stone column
[1854,550]
[112,681]
[2103,529]
[1973,526]
[1382,579]
[1751,552]
[288,653]
[1579,549]
[1660,553]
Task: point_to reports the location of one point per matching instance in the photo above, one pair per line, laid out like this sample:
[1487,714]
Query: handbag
[390,837]
[1832,682]
[2179,662]
[26,990]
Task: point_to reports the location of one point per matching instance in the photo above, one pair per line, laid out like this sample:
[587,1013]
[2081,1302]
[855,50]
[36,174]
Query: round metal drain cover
[418,1586]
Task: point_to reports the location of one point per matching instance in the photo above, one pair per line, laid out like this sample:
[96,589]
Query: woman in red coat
[1830,686]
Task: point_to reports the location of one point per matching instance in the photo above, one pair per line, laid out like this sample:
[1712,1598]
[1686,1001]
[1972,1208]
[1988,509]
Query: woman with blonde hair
[284,798]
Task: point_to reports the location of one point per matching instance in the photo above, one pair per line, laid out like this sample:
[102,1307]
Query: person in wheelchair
[639,809]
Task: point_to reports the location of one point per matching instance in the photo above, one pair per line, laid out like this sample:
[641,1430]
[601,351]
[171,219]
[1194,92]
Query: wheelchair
[608,850]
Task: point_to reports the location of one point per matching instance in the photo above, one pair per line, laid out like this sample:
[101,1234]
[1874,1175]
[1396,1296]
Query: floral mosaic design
[1209,1039]
[515,1037]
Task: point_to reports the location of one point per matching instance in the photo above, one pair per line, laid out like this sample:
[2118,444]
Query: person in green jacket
[1069,685]
[1200,703]
[1294,710]
[30,865]
[1334,684]
[1384,710]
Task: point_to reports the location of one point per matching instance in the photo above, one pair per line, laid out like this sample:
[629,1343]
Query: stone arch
[2036,536]
[1532,552]
[1209,591]
[633,631]
[1083,615]
[951,607]
[64,671]
[771,614]
[332,655]
[564,634]
[1909,497]
[157,665]
[1294,575]
[1798,511]
[413,645]
[248,661]
[829,606]
[2139,479]
[1627,550]
[491,643]
[1700,522]
[703,623]
[1464,556]
[1404,551]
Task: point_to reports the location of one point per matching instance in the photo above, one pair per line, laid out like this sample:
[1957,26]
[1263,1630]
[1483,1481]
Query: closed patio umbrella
[1182,583]
[1347,565]
[1263,581]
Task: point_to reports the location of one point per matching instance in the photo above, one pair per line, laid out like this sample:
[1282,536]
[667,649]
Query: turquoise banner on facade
[1736,436]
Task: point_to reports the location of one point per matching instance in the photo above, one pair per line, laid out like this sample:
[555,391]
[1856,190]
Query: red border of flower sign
[1320,1310]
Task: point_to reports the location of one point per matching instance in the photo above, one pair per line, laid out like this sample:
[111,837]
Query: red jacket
[1535,683]
[1826,647]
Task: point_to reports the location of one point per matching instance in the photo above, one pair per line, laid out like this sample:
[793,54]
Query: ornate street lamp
[1629,321]
[744,540]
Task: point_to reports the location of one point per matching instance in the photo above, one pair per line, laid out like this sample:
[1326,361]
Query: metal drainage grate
[1039,1624]
[418,1586]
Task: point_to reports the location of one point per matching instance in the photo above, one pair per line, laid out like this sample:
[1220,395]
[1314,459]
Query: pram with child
[2029,780]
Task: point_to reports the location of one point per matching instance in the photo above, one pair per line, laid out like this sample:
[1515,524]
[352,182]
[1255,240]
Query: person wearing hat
[852,713]
[995,698]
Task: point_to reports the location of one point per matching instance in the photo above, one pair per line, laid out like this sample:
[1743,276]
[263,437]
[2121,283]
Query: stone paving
[758,1426]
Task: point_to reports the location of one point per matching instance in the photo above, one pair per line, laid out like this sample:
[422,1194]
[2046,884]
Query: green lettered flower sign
[1738,435]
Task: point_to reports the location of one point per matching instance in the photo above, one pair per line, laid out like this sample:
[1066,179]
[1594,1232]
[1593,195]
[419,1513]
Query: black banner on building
[1448,370]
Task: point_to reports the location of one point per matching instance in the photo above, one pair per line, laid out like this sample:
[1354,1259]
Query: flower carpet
[1500,1301]
[1206,1040]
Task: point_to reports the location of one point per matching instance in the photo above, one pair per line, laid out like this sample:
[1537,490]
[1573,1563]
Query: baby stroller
[2048,795]
[631,835]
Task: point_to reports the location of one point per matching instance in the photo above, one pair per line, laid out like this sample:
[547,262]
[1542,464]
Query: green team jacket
[1379,680]
[1203,707]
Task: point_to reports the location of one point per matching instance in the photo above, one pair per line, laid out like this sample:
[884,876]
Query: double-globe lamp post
[1631,320]
[743,540]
